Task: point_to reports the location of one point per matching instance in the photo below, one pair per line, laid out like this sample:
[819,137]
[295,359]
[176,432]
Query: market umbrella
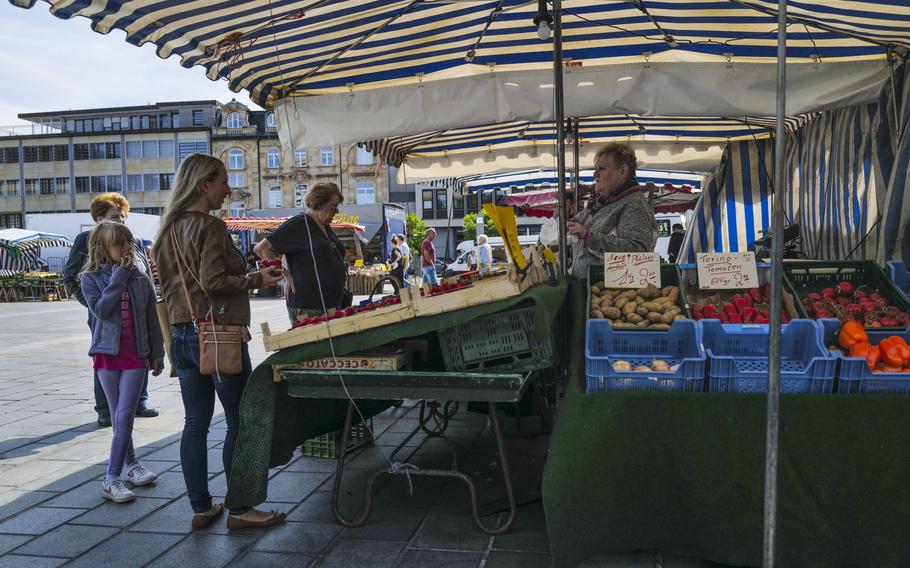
[20,248]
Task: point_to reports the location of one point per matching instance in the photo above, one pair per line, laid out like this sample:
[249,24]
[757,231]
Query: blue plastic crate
[855,376]
[897,271]
[679,345]
[738,357]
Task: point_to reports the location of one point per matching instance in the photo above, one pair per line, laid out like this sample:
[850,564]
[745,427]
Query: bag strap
[181,262]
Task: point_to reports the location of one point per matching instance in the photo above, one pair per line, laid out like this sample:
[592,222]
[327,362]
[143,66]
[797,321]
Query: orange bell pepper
[894,351]
[870,353]
[852,332]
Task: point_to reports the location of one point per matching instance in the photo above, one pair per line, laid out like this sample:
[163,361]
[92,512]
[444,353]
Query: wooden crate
[371,360]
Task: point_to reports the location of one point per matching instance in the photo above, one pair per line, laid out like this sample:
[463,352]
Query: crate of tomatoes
[871,361]
[736,306]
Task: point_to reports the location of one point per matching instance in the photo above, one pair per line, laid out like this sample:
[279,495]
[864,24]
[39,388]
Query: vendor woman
[314,254]
[617,217]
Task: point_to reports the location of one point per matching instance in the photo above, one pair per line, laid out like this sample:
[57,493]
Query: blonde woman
[126,340]
[218,285]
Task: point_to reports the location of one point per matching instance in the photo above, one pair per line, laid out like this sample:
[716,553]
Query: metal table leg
[399,469]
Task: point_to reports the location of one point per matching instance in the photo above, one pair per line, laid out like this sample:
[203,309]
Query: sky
[49,64]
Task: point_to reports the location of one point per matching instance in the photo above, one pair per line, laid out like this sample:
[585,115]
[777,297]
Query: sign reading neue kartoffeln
[631,269]
[726,270]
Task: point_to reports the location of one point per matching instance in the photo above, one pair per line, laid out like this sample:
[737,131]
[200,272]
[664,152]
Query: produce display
[349,311]
[848,303]
[649,307]
[657,365]
[891,355]
[751,305]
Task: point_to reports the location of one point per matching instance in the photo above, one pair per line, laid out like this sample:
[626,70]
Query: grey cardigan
[626,225]
[102,291]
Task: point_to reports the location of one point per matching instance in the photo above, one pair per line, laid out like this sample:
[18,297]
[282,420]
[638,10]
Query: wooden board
[373,360]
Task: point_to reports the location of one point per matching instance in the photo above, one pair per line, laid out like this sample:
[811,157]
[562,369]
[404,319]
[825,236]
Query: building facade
[73,155]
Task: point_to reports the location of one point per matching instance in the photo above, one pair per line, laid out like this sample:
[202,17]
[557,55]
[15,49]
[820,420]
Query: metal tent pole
[576,186]
[560,131]
[772,438]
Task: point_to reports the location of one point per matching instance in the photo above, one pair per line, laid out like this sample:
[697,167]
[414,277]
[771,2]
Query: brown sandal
[274,518]
[202,520]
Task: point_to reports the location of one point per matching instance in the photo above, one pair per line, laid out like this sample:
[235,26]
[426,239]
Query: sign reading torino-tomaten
[726,270]
[631,269]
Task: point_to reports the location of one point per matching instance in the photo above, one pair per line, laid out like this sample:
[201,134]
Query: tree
[417,232]
[470,227]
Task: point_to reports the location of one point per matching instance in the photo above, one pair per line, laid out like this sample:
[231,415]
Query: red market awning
[268,224]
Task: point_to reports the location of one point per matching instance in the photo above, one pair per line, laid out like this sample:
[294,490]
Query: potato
[630,308]
[622,325]
[674,295]
[606,302]
[649,292]
[609,293]
[665,291]
[627,294]
[595,290]
[660,365]
[659,326]
[679,317]
[597,314]
[669,315]
[612,313]
[654,306]
[654,317]
[643,369]
[620,302]
[644,323]
[633,317]
[642,310]
[622,366]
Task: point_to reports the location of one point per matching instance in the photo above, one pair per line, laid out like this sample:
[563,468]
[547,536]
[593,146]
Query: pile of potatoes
[650,307]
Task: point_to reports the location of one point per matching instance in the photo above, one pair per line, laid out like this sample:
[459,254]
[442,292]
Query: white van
[464,263]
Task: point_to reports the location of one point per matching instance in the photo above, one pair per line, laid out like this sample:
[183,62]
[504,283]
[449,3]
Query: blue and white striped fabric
[274,48]
[537,178]
[895,240]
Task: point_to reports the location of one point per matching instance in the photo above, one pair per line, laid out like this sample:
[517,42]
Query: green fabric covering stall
[684,474]
[273,424]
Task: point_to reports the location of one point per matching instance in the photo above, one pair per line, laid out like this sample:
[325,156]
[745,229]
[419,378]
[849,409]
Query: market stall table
[683,473]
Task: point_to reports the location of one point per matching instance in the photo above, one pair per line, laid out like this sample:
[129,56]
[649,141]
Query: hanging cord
[860,243]
[394,467]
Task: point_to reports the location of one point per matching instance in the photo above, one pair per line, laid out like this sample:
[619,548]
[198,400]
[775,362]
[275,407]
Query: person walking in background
[216,285]
[111,207]
[126,342]
[406,258]
[676,239]
[397,260]
[484,254]
[428,259]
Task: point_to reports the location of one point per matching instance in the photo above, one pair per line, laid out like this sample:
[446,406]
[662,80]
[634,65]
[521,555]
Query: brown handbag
[220,345]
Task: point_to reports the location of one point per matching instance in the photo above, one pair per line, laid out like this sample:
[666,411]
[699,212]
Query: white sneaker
[138,475]
[116,491]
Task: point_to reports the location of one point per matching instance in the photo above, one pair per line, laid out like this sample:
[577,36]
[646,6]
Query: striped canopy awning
[20,248]
[268,224]
[537,178]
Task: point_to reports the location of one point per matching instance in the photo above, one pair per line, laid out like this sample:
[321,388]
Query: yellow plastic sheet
[507,224]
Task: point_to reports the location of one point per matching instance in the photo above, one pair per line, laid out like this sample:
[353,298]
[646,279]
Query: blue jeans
[429,275]
[198,392]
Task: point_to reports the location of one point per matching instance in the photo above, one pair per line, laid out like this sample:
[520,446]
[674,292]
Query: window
[275,197]
[12,187]
[274,158]
[45,153]
[144,120]
[61,153]
[428,204]
[270,120]
[96,151]
[198,118]
[235,120]
[327,156]
[114,183]
[165,181]
[106,123]
[96,124]
[236,160]
[10,156]
[364,157]
[458,206]
[70,125]
[149,148]
[124,123]
[237,209]
[150,182]
[46,186]
[134,149]
[99,184]
[31,187]
[134,123]
[112,150]
[184,149]
[11,220]
[166,148]
[30,154]
[62,185]
[435,204]
[80,151]
[134,182]
[442,201]
[366,192]
[299,193]
[300,157]
[236,180]
[83,185]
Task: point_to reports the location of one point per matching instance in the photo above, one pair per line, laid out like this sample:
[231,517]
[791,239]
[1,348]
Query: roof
[79,112]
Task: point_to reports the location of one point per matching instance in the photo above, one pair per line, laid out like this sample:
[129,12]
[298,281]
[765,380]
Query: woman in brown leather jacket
[218,285]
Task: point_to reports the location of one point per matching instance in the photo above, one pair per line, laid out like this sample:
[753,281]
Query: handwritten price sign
[631,269]
[726,270]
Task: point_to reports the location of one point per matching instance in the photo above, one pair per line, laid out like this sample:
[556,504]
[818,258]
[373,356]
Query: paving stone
[67,541]
[391,525]
[505,559]
[440,559]
[292,487]
[85,496]
[311,465]
[126,549]
[10,541]
[529,533]
[174,518]
[38,520]
[396,493]
[452,529]
[206,550]
[17,561]
[347,553]
[121,514]
[305,538]
[317,508]
[65,480]
[170,453]
[256,559]
[15,501]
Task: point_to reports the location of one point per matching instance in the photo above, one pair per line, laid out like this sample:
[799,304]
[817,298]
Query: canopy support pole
[576,186]
[560,132]
[896,101]
[772,438]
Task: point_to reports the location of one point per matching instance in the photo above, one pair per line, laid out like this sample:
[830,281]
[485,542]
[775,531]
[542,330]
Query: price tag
[358,262]
[726,270]
[631,269]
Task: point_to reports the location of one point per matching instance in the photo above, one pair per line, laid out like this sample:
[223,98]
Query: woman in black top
[315,255]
